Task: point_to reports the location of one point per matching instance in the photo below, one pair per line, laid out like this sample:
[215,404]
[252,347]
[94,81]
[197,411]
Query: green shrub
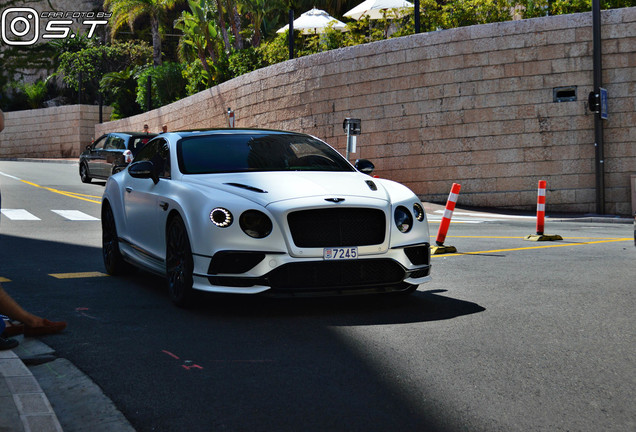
[167,84]
[97,60]
[120,92]
[195,76]
[244,61]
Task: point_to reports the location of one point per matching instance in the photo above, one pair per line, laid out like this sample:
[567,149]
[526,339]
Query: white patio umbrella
[314,21]
[376,9]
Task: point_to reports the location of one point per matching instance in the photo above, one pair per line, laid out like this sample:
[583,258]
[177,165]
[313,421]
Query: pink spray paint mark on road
[81,312]
[187,365]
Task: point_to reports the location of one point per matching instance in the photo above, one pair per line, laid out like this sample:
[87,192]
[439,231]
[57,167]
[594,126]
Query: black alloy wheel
[84,173]
[113,259]
[179,263]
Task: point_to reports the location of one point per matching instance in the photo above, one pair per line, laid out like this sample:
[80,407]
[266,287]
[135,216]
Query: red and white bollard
[540,236]
[231,118]
[541,207]
[445,224]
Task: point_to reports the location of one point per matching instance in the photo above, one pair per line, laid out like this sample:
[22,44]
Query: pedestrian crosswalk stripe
[75,215]
[19,214]
[24,215]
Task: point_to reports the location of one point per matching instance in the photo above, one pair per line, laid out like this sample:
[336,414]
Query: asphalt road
[511,335]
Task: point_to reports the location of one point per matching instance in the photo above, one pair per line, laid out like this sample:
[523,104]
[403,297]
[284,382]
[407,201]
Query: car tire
[113,259]
[179,263]
[84,175]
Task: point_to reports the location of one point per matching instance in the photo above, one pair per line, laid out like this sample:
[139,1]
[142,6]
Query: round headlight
[221,217]
[419,211]
[255,224]
[403,219]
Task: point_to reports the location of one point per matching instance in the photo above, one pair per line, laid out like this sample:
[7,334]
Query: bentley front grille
[337,227]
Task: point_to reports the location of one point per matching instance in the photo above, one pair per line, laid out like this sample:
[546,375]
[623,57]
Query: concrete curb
[30,405]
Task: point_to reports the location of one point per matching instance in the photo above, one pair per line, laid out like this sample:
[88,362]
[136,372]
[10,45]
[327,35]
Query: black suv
[110,154]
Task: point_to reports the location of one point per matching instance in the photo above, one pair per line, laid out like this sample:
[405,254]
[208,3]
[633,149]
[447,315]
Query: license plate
[340,253]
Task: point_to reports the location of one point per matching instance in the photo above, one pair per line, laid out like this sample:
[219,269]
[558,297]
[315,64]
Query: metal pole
[101,107]
[149,93]
[291,34]
[598,121]
[79,91]
[417,16]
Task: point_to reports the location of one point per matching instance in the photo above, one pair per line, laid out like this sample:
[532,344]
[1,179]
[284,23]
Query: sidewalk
[23,404]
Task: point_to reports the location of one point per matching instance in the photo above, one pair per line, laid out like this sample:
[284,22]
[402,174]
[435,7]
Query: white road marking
[19,214]
[10,176]
[75,215]
[488,215]
[475,217]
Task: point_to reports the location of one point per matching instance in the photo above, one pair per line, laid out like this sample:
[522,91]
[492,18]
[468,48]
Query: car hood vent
[247,187]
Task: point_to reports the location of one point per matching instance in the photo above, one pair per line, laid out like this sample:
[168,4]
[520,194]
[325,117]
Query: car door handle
[128,189]
[163,205]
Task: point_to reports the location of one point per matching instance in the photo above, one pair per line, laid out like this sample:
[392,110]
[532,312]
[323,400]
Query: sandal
[7,344]
[14,328]
[48,327]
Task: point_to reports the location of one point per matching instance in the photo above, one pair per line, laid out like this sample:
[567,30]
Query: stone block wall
[472,105]
[58,132]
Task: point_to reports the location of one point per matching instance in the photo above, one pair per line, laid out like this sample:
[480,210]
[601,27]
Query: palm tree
[127,11]
[120,89]
[199,34]
[231,7]
[256,10]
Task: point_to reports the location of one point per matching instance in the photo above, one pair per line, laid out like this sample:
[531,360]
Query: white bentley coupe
[258,211]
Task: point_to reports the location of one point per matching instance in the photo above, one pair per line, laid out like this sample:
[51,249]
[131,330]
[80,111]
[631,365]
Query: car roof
[136,134]
[221,131]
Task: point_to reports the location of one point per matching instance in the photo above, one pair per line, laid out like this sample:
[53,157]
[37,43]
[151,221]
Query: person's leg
[13,310]
[33,324]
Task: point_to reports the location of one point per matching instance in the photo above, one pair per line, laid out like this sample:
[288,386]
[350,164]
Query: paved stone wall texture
[472,105]
[58,132]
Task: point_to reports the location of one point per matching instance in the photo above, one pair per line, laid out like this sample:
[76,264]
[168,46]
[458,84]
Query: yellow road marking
[4,279]
[75,195]
[534,247]
[77,275]
[521,238]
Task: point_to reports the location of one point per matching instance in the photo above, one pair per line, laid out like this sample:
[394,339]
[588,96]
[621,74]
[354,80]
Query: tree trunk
[256,40]
[221,20]
[235,22]
[156,41]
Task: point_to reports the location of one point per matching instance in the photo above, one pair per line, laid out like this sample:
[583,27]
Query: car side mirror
[364,166]
[144,170]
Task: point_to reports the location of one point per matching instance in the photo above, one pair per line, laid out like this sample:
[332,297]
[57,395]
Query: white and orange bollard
[445,224]
[540,236]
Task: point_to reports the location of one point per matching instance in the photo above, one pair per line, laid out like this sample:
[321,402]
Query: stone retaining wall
[472,105]
[58,132]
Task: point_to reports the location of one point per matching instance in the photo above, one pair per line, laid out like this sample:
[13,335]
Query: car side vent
[249,188]
[371,185]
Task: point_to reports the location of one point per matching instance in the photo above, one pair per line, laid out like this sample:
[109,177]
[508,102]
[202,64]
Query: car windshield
[223,153]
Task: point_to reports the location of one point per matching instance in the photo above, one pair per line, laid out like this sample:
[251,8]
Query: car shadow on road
[278,364]
[45,257]
[421,306]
